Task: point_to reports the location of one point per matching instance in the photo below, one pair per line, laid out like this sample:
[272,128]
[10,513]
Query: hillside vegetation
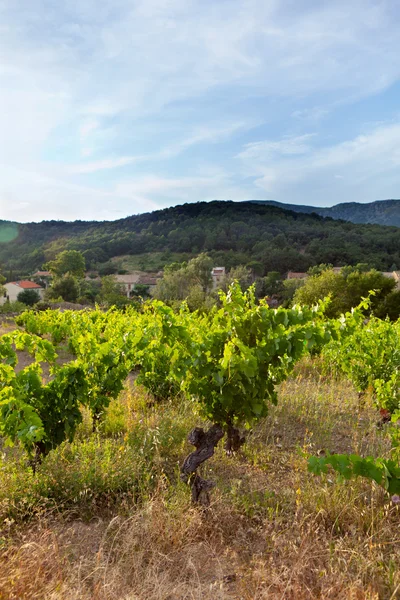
[232,233]
[380,212]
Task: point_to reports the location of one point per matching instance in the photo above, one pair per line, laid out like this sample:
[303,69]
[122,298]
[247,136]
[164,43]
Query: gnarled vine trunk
[205,443]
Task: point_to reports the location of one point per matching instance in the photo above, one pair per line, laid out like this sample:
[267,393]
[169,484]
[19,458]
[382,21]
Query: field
[150,261]
[95,412]
[106,517]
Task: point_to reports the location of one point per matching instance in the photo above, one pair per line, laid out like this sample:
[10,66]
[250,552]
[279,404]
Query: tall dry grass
[272,532]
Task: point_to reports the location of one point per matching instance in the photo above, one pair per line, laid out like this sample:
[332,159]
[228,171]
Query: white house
[127,282]
[14,288]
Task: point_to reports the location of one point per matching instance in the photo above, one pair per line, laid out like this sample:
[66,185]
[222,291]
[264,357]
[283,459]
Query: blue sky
[114,107]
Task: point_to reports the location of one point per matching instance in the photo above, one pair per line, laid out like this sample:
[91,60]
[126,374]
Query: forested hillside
[381,212]
[232,233]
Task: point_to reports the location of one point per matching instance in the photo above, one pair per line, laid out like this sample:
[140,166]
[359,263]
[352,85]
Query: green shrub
[12,307]
[28,297]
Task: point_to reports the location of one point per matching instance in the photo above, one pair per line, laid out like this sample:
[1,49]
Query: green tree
[317,287]
[242,275]
[94,256]
[358,268]
[69,262]
[180,279]
[256,267]
[346,289]
[28,297]
[289,288]
[318,269]
[112,293]
[360,283]
[173,286]
[272,283]
[199,300]
[66,288]
[89,291]
[389,307]
[174,266]
[107,269]
[199,271]
[141,291]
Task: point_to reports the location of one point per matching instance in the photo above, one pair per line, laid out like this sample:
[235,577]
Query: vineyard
[262,440]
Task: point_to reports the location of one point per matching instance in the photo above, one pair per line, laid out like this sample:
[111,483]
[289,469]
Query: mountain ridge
[379,212]
[266,237]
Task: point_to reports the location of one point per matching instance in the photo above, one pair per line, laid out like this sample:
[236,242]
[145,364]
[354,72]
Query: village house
[43,278]
[297,275]
[218,275]
[129,281]
[14,288]
[150,281]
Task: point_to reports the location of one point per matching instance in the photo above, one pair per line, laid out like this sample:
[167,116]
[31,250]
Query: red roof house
[14,288]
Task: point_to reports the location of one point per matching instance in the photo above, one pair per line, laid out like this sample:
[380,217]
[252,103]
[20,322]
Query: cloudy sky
[114,107]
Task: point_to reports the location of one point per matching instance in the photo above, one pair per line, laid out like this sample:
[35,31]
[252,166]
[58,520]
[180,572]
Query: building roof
[147,280]
[42,274]
[128,278]
[26,285]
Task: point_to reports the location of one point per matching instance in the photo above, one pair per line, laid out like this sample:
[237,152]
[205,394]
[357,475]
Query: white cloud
[210,184]
[201,135]
[198,136]
[139,56]
[129,82]
[86,130]
[287,146]
[101,165]
[128,196]
[369,164]
[315,113]
[87,127]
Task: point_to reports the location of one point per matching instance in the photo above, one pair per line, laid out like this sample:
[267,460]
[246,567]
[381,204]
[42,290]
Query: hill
[232,232]
[381,212]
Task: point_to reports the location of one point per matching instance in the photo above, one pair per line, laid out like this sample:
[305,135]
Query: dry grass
[7,324]
[273,531]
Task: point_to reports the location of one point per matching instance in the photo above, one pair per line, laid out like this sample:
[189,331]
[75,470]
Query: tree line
[265,238]
[191,282]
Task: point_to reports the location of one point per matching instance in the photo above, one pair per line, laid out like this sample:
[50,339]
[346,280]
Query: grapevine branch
[234,440]
[205,443]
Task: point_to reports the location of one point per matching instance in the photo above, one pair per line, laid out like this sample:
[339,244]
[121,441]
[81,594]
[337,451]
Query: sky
[110,108]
